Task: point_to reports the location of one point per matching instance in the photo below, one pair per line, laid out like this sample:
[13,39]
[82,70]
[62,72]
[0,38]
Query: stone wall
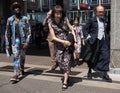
[115,33]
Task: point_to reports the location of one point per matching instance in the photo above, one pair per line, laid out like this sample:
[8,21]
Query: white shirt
[101,29]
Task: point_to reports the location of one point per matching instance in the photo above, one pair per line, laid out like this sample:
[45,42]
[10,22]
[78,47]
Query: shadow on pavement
[57,73]
[35,71]
[72,80]
[31,71]
[43,50]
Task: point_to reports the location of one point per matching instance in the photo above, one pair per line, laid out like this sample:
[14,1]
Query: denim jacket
[24,30]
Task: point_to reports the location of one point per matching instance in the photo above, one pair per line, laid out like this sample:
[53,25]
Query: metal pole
[49,4]
[41,6]
[99,2]
[78,10]
[78,5]
[25,7]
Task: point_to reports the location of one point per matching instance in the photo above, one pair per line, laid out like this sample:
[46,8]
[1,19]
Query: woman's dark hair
[58,8]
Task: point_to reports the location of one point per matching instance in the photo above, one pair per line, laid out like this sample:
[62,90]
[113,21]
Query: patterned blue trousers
[18,57]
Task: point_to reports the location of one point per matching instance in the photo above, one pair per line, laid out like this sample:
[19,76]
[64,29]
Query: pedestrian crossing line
[56,77]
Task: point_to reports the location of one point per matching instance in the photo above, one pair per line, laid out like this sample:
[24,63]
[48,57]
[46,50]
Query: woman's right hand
[67,43]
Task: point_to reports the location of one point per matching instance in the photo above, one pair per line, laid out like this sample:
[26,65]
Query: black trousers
[97,55]
[103,60]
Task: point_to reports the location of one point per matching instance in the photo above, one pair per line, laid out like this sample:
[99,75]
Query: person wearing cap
[17,37]
[79,41]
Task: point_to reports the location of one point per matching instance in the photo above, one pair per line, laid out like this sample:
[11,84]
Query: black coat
[91,28]
[92,45]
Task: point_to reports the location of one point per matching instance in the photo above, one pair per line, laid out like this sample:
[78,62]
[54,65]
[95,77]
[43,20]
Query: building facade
[42,6]
[73,8]
[4,8]
[115,34]
[37,9]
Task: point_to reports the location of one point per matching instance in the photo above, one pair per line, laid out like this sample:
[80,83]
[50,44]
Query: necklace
[16,20]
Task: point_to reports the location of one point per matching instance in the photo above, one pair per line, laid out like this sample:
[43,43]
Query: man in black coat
[97,54]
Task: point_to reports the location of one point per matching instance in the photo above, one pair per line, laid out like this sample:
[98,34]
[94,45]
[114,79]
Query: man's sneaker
[14,78]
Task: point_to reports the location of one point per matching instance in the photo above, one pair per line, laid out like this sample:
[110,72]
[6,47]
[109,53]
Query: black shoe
[75,62]
[107,78]
[80,62]
[64,86]
[89,76]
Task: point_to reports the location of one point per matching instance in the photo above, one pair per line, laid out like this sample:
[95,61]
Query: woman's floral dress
[62,55]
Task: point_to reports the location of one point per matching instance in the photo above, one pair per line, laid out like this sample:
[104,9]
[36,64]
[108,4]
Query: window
[73,4]
[94,1]
[32,1]
[45,2]
[105,1]
[74,1]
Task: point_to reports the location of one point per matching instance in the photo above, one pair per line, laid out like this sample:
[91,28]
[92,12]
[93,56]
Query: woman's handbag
[70,38]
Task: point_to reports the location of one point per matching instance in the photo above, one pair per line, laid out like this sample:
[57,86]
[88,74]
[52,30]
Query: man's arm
[86,29]
[28,34]
[7,33]
[29,31]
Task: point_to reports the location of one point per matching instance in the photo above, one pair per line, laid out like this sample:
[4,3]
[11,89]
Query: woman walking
[59,29]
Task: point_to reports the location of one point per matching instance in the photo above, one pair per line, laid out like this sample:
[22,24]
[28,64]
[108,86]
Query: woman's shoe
[64,86]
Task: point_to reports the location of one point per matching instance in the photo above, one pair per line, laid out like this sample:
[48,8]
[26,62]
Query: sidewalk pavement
[38,67]
[42,72]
